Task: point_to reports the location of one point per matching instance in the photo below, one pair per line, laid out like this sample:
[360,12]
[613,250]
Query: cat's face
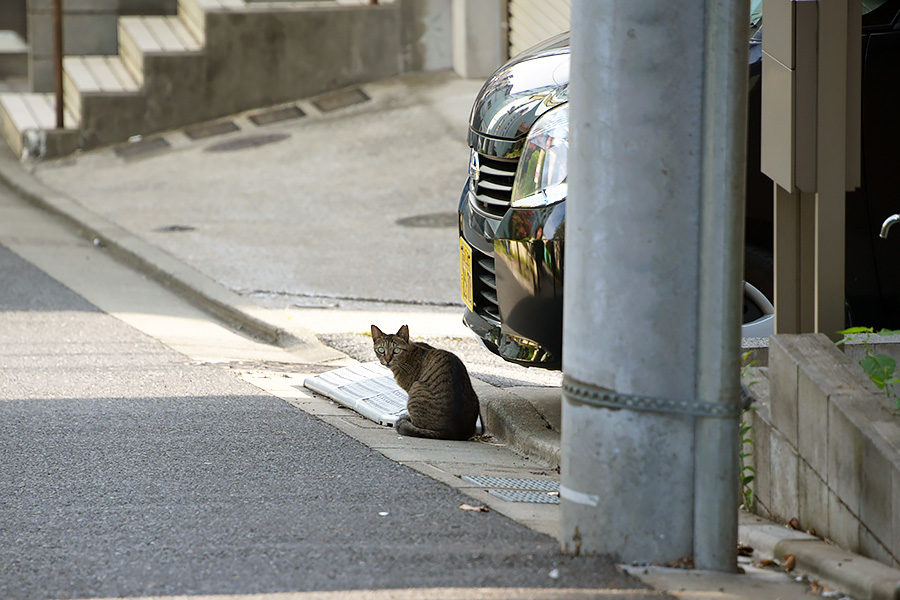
[390,348]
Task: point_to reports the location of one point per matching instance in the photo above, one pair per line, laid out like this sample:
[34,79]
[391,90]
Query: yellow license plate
[465,273]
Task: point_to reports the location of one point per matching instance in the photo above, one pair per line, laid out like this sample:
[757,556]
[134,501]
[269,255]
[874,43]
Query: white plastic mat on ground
[369,389]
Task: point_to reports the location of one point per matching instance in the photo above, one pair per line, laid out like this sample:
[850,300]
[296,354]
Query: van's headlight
[541,177]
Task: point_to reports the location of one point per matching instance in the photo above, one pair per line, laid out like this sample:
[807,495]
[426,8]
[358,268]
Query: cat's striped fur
[442,403]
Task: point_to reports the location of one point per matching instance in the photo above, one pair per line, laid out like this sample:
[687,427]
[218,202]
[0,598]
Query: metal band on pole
[597,396]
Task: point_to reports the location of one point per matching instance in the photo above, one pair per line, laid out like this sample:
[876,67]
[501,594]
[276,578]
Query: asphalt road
[130,470]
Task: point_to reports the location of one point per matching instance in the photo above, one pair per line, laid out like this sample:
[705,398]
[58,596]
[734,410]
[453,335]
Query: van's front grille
[492,182]
[484,286]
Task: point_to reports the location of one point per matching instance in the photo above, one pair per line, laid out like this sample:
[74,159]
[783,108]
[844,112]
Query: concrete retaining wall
[253,56]
[827,448]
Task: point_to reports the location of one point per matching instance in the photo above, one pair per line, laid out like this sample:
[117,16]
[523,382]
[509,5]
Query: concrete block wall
[827,448]
[297,54]
[283,55]
[232,56]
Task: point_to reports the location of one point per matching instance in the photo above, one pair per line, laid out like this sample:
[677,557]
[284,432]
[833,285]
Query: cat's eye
[397,351]
[379,350]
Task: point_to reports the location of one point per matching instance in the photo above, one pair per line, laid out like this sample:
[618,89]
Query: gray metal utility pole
[653,280]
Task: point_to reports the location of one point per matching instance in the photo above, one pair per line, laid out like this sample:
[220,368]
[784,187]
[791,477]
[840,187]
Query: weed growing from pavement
[881,368]
[747,471]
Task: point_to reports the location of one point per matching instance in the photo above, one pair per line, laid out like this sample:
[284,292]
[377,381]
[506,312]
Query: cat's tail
[406,427]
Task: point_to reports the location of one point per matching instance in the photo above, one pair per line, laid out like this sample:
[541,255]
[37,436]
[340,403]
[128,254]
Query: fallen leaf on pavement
[767,562]
[686,562]
[821,590]
[744,550]
[789,561]
[795,524]
[474,508]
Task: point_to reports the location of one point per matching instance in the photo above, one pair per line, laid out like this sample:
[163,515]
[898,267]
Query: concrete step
[140,37]
[25,116]
[109,84]
[83,75]
[193,13]
[164,76]
[194,18]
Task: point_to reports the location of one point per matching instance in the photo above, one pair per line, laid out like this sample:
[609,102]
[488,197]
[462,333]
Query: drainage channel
[511,489]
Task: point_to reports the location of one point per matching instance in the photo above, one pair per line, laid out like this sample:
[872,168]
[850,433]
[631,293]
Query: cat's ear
[403,333]
[376,333]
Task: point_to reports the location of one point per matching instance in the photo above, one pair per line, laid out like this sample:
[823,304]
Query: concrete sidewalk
[288,226]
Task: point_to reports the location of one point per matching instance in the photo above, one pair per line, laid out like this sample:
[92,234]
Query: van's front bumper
[516,281]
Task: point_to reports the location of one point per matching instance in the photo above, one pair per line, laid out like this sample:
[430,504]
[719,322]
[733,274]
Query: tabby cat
[442,403]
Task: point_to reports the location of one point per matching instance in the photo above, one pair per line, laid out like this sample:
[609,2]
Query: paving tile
[846,448]
[843,526]
[783,373]
[813,500]
[812,420]
[340,99]
[760,433]
[875,505]
[784,478]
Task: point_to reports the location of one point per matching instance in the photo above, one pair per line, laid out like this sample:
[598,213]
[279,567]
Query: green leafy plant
[747,471]
[881,368]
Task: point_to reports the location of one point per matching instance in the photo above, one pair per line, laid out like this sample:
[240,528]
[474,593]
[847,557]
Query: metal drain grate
[525,496]
[512,489]
[276,115]
[207,130]
[340,99]
[512,483]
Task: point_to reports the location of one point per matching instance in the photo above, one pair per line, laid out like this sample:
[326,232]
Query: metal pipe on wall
[723,169]
[57,61]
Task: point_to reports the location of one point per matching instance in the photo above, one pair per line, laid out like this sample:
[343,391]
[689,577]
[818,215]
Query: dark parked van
[512,211]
